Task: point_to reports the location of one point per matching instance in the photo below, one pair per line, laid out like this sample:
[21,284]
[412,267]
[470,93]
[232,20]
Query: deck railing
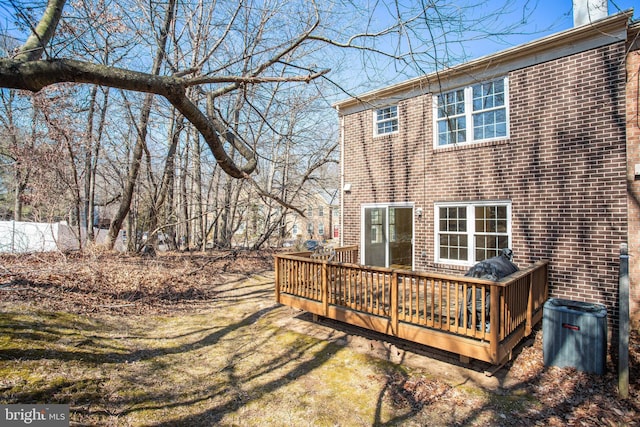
[475,318]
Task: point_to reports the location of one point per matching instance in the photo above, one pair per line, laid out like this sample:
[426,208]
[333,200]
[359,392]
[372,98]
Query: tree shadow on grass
[238,397]
[35,331]
[54,391]
[89,401]
[34,336]
[84,392]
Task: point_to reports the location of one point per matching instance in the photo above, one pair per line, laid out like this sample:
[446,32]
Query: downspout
[341,119]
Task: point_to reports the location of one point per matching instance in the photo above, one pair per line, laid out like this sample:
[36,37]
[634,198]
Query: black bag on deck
[491,269]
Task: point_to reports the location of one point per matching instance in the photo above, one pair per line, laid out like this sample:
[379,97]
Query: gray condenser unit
[574,334]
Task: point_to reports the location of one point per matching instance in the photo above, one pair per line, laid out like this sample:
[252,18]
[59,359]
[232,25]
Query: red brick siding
[633,154]
[563,168]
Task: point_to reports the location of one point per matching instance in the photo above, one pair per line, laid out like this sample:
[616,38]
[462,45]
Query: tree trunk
[20,186]
[93,167]
[199,239]
[138,150]
[185,235]
[88,165]
[165,191]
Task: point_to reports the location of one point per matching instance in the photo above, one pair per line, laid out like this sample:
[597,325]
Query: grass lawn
[231,356]
[226,365]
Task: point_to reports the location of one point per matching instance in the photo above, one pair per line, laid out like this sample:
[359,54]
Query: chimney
[588,11]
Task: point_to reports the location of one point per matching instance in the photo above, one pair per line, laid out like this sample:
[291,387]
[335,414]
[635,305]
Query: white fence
[25,237]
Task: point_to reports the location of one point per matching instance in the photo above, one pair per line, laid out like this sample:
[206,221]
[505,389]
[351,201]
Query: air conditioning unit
[574,334]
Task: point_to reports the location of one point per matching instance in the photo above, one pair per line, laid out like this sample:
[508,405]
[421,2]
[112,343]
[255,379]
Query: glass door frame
[386,207]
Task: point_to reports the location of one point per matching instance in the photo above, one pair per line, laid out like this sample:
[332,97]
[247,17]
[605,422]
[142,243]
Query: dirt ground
[145,297]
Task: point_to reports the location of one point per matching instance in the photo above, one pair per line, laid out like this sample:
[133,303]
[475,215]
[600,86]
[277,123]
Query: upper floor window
[386,120]
[471,232]
[472,114]
[320,210]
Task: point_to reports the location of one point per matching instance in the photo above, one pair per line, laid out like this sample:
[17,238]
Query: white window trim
[471,229]
[386,206]
[375,121]
[468,108]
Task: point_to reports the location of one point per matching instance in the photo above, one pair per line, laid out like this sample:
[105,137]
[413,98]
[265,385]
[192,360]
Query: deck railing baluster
[437,310]
[446,305]
[377,293]
[425,300]
[410,284]
[432,308]
[359,290]
[325,290]
[463,308]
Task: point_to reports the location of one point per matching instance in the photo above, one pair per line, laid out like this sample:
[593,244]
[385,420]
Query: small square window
[386,120]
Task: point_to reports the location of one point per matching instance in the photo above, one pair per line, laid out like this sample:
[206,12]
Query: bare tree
[26,71]
[229,71]
[14,150]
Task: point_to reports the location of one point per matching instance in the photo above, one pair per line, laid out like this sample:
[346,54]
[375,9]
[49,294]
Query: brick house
[321,220]
[533,148]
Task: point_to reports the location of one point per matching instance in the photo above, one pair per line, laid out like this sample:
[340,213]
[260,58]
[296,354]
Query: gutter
[341,118]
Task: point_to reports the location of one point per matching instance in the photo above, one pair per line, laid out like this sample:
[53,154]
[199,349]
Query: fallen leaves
[415,392]
[168,283]
[122,284]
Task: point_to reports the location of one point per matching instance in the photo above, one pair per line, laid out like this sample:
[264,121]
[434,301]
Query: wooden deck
[427,308]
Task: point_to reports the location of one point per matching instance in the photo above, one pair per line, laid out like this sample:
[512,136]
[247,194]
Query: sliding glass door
[388,236]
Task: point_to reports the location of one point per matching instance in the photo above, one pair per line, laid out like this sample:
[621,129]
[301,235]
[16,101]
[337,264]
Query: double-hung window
[470,232]
[472,114]
[386,120]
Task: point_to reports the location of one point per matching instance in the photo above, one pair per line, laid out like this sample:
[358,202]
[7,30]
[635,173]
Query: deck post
[623,321]
[529,325]
[394,302]
[277,278]
[494,320]
[325,289]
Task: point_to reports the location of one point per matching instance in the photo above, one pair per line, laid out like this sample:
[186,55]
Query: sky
[549,17]
[544,17]
[528,20]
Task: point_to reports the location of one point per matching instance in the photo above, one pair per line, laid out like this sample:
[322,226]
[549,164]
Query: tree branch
[34,46]
[36,75]
[254,80]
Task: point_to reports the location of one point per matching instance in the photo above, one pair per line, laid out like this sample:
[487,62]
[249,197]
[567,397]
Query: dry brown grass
[193,340]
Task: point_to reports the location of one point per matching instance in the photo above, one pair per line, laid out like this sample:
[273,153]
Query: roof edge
[604,27]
